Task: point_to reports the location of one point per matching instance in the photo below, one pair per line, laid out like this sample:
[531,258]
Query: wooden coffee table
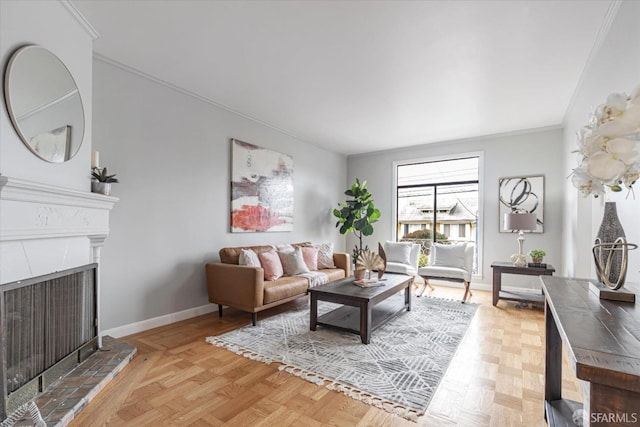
[363,309]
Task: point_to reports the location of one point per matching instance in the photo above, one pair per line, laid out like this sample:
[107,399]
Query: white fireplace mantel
[44,228]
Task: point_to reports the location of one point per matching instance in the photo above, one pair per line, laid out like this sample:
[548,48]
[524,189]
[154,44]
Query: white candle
[95,159]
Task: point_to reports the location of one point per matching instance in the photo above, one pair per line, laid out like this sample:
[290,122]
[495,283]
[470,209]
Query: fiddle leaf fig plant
[357,214]
[101,175]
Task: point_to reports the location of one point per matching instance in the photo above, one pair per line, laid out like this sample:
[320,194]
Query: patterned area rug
[398,371]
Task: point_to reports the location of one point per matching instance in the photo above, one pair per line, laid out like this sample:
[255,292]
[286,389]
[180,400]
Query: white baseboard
[144,325]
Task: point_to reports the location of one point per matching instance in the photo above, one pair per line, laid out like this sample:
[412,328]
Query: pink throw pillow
[310,256]
[271,264]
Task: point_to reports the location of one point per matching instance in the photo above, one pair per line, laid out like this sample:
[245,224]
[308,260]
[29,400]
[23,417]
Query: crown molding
[490,136]
[603,32]
[86,25]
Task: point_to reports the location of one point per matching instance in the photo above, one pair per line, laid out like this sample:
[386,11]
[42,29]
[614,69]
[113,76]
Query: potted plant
[536,255]
[357,214]
[102,181]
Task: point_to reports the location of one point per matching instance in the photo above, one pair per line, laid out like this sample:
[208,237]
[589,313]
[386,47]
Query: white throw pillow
[448,255]
[325,256]
[249,257]
[284,248]
[398,252]
[293,262]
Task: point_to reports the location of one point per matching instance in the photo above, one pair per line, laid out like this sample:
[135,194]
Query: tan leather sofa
[244,288]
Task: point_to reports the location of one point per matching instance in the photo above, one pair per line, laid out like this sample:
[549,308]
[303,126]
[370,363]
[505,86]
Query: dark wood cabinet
[602,339]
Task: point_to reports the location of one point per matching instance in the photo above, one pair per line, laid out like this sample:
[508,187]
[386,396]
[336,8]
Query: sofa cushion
[232,255]
[284,287]
[271,264]
[249,257]
[325,256]
[284,248]
[310,256]
[333,273]
[293,262]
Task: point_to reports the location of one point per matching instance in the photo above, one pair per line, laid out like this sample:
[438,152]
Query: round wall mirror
[44,104]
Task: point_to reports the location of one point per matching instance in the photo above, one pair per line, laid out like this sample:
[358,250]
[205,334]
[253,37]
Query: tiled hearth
[65,398]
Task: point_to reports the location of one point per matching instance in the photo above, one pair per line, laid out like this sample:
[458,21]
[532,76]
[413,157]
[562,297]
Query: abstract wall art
[261,189]
[522,194]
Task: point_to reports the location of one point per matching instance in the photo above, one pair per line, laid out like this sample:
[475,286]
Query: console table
[602,339]
[506,267]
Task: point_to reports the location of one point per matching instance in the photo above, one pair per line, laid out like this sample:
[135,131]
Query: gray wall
[171,153]
[615,67]
[39,22]
[532,153]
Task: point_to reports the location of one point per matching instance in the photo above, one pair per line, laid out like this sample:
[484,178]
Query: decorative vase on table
[610,232]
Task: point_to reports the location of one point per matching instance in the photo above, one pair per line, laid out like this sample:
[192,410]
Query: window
[439,195]
[462,230]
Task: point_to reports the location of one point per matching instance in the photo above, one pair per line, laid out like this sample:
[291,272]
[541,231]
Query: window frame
[481,190]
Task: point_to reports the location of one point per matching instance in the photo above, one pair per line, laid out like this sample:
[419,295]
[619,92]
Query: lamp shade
[520,221]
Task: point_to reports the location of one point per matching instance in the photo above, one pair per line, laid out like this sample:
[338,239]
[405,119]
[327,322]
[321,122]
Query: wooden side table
[500,267]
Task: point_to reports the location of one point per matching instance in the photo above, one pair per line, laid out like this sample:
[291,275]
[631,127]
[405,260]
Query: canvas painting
[522,194]
[261,189]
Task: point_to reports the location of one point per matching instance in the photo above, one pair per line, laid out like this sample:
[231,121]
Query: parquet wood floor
[177,379]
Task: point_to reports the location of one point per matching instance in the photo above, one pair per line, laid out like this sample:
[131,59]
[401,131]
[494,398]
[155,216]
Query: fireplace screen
[46,325]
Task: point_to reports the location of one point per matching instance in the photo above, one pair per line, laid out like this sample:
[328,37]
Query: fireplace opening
[48,325]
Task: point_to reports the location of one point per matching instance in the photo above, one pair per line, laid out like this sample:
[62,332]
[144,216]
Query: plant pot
[359,274]
[101,187]
[536,259]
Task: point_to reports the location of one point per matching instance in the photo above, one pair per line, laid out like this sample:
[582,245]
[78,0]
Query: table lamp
[520,221]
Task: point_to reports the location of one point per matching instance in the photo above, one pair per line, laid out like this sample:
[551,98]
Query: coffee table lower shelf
[347,318]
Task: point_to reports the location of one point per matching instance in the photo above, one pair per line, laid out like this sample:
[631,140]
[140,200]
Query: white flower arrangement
[608,146]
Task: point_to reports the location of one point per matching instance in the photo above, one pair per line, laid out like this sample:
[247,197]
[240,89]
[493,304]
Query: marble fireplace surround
[45,229]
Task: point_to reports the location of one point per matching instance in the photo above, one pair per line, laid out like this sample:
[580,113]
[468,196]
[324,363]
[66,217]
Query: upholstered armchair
[402,257]
[449,262]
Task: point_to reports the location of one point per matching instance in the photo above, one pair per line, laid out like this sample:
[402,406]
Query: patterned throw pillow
[325,256]
[271,264]
[249,257]
[293,262]
[310,255]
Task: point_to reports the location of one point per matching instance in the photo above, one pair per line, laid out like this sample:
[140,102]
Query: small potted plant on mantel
[102,181]
[537,255]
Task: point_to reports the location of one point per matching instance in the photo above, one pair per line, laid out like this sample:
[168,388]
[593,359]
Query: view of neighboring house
[456,217]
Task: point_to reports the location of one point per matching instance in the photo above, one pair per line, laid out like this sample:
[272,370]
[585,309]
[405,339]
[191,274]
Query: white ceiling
[361,76]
